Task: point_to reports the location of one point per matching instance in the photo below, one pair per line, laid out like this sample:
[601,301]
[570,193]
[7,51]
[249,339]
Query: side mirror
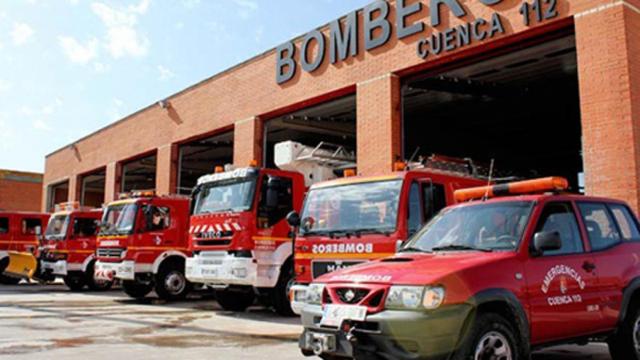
[38,230]
[547,241]
[293,218]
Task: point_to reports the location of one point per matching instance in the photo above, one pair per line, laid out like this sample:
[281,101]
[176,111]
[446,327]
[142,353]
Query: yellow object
[22,265]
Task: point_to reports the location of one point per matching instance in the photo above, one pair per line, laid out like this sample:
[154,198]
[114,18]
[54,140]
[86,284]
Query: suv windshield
[228,195]
[119,219]
[485,226]
[364,207]
[57,227]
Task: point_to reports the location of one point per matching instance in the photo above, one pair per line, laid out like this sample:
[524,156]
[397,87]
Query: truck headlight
[314,293]
[414,297]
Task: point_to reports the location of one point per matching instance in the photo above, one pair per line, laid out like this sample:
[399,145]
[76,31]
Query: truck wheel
[280,295]
[7,280]
[96,285]
[75,281]
[625,344]
[236,298]
[491,337]
[171,283]
[136,289]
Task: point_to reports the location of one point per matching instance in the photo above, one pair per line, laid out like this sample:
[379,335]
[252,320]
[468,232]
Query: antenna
[415,153]
[486,194]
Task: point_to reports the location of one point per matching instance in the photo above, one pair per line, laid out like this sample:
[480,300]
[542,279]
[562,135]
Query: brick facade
[245,96]
[20,191]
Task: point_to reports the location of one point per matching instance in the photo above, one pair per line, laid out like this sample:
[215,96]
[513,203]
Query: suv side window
[600,226]
[29,226]
[83,227]
[271,211]
[560,217]
[414,222]
[4,225]
[626,222]
[435,199]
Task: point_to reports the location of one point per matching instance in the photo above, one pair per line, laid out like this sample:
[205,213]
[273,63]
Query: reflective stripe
[334,256]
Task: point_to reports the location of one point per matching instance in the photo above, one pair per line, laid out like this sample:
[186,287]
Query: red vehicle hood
[414,269]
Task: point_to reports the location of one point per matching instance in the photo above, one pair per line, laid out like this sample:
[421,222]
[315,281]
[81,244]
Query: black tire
[494,331]
[96,285]
[280,294]
[236,298]
[136,289]
[622,343]
[75,281]
[8,280]
[170,282]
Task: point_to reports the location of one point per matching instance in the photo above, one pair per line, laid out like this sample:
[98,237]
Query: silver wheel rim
[493,346]
[636,336]
[175,283]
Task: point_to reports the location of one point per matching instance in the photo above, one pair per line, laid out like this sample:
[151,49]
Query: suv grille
[351,296]
[110,253]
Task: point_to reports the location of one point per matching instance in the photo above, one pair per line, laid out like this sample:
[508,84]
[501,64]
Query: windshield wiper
[454,247]
[414,249]
[359,232]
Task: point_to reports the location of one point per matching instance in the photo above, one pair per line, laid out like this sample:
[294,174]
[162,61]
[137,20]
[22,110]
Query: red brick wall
[20,191]
[250,90]
[609,71]
[247,141]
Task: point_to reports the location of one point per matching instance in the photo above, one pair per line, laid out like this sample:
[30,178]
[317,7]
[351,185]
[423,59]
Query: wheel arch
[85,264]
[503,302]
[630,296]
[171,255]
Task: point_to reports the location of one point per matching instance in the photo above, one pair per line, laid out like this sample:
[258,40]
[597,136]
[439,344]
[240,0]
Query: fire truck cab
[353,220]
[143,242]
[240,238]
[69,245]
[19,233]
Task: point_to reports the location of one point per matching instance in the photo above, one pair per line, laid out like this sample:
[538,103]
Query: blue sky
[70,67]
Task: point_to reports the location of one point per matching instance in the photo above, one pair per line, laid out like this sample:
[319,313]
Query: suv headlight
[314,293]
[414,297]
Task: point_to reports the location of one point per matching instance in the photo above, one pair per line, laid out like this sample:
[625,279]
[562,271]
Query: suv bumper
[392,334]
[60,267]
[125,270]
[221,268]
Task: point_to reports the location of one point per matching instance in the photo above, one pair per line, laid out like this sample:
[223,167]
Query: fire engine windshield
[229,195]
[355,208]
[57,227]
[119,219]
[485,227]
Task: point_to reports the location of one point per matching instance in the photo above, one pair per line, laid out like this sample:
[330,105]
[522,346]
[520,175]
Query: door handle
[588,266]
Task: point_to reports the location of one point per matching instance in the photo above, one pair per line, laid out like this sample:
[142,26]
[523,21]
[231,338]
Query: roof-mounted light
[550,184]
[349,173]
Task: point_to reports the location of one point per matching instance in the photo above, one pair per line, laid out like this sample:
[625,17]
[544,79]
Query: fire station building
[542,87]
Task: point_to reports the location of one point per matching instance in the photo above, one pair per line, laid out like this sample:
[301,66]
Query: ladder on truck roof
[315,163]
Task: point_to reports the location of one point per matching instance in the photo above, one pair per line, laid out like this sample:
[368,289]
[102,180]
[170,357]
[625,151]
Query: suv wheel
[235,299]
[135,289]
[6,280]
[171,283]
[625,344]
[491,337]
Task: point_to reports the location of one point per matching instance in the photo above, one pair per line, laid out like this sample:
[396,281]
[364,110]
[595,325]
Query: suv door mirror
[293,218]
[547,241]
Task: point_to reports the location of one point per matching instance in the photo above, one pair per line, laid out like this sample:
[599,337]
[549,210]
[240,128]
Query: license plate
[319,268]
[334,315]
[210,272]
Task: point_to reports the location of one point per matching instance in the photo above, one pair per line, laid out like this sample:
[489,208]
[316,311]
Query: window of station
[520,109]
[200,157]
[92,190]
[332,123]
[139,174]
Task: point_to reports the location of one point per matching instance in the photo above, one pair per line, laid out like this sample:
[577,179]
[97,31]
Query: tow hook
[351,337]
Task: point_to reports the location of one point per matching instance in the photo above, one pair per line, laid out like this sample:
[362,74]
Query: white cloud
[122,38]
[165,74]
[100,67]
[190,4]
[73,2]
[5,86]
[41,125]
[246,8]
[179,25]
[21,33]
[77,52]
[118,102]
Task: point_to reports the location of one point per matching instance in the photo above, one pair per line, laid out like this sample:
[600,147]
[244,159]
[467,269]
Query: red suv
[493,278]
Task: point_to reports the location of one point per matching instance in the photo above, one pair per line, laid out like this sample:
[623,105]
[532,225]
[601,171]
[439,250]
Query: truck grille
[110,253]
[351,295]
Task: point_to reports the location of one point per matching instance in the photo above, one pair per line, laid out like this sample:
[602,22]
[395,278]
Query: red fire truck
[69,247]
[356,219]
[240,238]
[19,232]
[143,242]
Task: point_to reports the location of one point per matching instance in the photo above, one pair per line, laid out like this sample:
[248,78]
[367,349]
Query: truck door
[561,287]
[275,202]
[5,233]
[160,227]
[26,236]
[83,236]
